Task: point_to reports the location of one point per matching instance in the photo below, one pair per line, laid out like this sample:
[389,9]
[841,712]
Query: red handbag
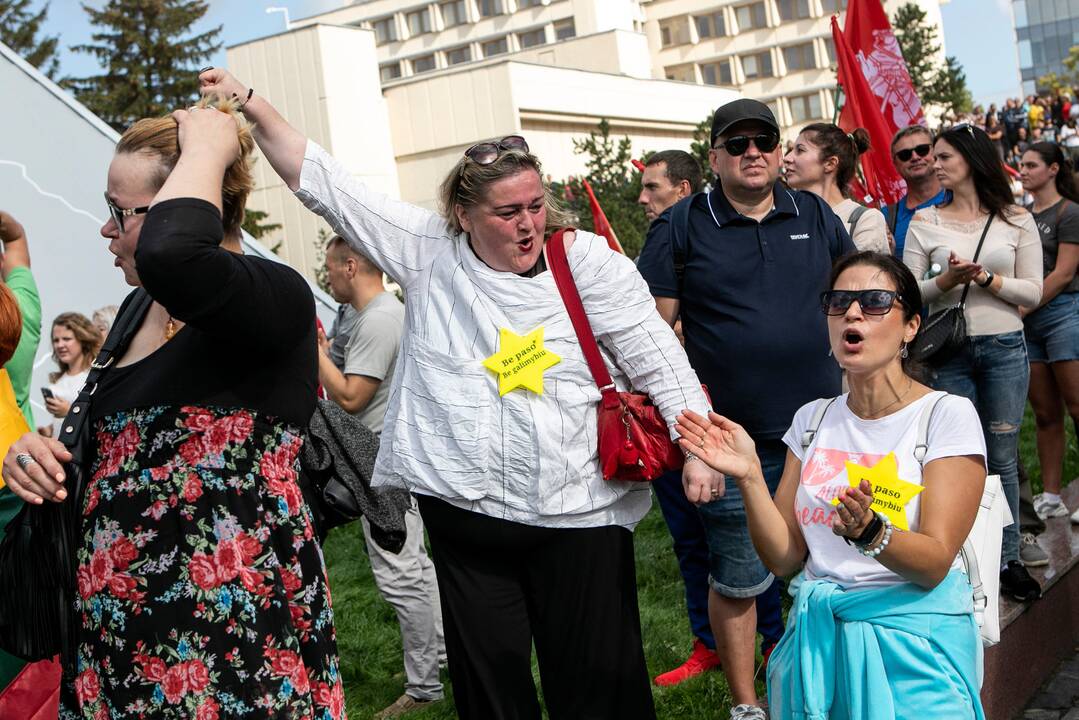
[634,441]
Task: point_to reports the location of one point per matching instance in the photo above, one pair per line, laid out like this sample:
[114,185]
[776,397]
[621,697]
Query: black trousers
[572,592]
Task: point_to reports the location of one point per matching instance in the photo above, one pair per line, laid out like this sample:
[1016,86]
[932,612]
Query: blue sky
[977,32]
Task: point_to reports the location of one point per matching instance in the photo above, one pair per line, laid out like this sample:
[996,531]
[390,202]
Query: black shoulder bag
[37,553]
[944,332]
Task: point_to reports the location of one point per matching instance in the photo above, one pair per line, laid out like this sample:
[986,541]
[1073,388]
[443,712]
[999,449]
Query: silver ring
[715,492]
[25,460]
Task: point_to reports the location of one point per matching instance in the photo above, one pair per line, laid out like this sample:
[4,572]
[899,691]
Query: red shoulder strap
[567,288]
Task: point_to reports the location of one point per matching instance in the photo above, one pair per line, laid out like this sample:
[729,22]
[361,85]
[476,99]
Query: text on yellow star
[890,494]
[520,361]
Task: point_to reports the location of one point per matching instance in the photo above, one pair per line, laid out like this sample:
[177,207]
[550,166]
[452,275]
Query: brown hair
[85,333]
[911,130]
[10,323]
[159,138]
[467,183]
[834,141]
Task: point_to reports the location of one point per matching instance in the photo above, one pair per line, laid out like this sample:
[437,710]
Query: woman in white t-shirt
[75,342]
[823,161]
[881,609]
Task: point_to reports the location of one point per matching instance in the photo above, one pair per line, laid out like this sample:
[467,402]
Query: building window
[424,63]
[385,30]
[793,9]
[532,38]
[831,7]
[389,71]
[674,31]
[419,22]
[490,8]
[773,105]
[805,107]
[681,73]
[565,29]
[750,16]
[717,73]
[799,57]
[453,13]
[494,47]
[456,56]
[522,4]
[829,49]
[757,66]
[711,25]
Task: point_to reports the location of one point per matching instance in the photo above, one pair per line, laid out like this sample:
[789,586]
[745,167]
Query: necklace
[170,329]
[877,413]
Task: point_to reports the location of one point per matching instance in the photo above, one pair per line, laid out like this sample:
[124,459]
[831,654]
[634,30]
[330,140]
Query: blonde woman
[201,588]
[75,342]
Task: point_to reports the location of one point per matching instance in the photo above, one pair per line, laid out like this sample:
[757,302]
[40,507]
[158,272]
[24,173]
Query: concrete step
[1036,636]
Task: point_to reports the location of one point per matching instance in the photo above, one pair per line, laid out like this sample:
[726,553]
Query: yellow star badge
[890,494]
[520,361]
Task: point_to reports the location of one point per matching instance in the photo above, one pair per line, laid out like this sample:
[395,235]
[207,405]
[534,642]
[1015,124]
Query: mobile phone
[46,393]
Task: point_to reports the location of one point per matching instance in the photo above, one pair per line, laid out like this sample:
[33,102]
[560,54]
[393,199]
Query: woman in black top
[201,587]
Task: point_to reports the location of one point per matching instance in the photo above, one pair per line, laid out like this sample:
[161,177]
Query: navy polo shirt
[750,303]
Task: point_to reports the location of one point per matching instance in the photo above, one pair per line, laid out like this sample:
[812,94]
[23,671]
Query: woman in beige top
[991,366]
[823,161]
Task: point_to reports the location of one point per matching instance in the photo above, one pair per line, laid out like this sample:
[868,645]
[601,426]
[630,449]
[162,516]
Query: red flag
[638,164]
[599,220]
[864,107]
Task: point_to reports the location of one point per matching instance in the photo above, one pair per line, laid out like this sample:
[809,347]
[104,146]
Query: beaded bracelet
[887,536]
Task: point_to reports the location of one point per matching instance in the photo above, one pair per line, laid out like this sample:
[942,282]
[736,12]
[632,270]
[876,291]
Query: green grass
[1028,451]
[370,646]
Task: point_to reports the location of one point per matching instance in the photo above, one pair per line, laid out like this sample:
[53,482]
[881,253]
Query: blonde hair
[159,138]
[468,181]
[88,337]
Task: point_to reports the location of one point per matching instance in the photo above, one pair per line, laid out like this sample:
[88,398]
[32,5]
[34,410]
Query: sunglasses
[118,213]
[919,150]
[737,145]
[872,302]
[487,152]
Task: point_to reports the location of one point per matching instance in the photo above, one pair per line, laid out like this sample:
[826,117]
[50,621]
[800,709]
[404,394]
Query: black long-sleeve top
[249,339]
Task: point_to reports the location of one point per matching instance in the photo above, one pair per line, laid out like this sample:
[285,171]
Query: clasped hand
[209,134]
[960,271]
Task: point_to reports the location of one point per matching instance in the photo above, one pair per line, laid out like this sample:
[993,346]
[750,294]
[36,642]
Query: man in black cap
[744,266]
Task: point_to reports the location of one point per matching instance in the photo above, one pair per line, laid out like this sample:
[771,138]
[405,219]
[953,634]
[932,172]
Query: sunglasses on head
[738,144]
[919,150]
[486,153]
[872,302]
[118,213]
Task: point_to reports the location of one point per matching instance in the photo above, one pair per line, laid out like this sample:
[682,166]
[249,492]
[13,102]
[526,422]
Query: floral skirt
[202,588]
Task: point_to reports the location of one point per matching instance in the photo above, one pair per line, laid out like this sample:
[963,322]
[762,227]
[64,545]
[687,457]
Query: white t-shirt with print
[843,436]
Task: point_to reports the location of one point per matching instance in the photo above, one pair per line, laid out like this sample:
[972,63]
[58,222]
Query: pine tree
[19,28]
[150,60]
[944,86]
[950,88]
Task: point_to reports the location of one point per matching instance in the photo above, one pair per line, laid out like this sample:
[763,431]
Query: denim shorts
[1053,331]
[734,568]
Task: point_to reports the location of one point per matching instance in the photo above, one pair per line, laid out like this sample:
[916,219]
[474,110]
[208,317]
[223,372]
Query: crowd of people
[773,321]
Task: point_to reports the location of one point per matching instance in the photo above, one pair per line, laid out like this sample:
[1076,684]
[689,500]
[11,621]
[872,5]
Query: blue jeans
[691,549]
[993,373]
[735,570]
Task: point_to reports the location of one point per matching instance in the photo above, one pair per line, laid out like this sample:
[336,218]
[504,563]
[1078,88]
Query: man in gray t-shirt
[360,383]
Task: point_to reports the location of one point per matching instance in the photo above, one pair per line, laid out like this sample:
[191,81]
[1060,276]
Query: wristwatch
[988,279]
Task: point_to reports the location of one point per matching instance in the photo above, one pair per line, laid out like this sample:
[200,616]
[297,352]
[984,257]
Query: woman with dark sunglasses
[823,161]
[991,367]
[530,544]
[873,580]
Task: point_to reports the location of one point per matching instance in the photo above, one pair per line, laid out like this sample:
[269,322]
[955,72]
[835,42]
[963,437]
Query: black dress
[202,589]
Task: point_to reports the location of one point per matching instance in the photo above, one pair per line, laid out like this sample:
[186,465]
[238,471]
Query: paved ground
[1058,699]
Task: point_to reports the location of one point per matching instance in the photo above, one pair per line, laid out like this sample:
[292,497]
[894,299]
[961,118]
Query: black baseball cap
[739,110]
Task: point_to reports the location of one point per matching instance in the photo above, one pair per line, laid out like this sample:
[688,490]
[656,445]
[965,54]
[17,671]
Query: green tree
[255,227]
[941,85]
[149,58]
[1065,80]
[19,29]
[321,246]
[701,145]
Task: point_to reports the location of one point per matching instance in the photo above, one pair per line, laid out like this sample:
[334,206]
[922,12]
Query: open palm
[721,443]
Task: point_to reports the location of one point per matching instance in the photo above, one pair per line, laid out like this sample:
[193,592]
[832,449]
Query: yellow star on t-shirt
[520,361]
[890,494]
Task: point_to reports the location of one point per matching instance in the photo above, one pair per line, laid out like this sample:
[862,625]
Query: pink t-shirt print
[823,477]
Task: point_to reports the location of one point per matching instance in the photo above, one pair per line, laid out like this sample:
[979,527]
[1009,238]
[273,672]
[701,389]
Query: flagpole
[837,99]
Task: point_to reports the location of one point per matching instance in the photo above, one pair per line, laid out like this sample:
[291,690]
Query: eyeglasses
[118,213]
[919,150]
[487,152]
[872,302]
[737,145]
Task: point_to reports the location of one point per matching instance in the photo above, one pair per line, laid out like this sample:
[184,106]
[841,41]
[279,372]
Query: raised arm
[282,144]
[16,249]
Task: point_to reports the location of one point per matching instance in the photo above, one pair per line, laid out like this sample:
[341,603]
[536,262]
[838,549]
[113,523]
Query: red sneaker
[700,660]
